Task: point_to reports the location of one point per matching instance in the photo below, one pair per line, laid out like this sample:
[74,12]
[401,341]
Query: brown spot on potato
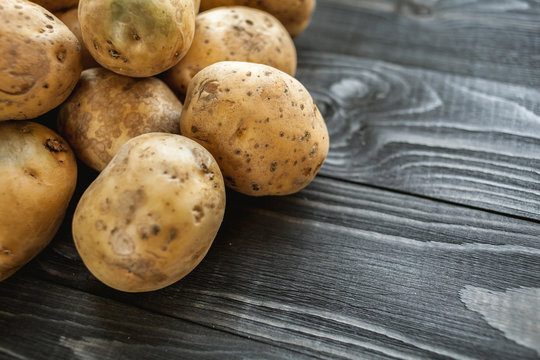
[100,225]
[55,145]
[173,234]
[198,213]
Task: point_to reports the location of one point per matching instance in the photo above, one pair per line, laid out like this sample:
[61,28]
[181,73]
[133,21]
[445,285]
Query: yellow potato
[259,123]
[71,20]
[137,37]
[235,33]
[107,109]
[151,215]
[294,14]
[55,5]
[38,176]
[40,62]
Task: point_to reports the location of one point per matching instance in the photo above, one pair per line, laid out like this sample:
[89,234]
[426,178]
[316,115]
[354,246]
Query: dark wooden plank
[497,40]
[40,320]
[470,141]
[345,271]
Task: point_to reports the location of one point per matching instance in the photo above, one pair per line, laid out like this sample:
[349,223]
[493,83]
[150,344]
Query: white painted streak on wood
[516,312]
[393,239]
[326,315]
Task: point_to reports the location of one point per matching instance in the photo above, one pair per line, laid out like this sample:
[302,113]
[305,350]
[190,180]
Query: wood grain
[492,39]
[465,140]
[345,271]
[43,320]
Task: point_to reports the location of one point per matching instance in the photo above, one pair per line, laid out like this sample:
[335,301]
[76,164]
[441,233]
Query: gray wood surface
[449,137]
[345,271]
[43,320]
[420,238]
[492,39]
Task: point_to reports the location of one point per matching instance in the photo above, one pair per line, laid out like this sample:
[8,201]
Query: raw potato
[39,173]
[150,217]
[137,37]
[40,62]
[55,5]
[71,20]
[294,14]
[259,123]
[234,33]
[107,109]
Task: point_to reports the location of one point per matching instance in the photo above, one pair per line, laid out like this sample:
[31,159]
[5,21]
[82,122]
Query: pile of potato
[156,206]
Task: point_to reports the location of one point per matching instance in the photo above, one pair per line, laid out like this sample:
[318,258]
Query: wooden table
[420,238]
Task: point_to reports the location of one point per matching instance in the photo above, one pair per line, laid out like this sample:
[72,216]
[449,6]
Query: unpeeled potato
[234,33]
[294,14]
[38,176]
[151,215]
[107,109]
[260,124]
[40,62]
[137,38]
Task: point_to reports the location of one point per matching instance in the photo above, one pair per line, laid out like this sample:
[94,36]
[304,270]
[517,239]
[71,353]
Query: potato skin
[39,173]
[151,215]
[234,33]
[259,123]
[71,19]
[40,62]
[293,14]
[56,5]
[107,109]
[137,37]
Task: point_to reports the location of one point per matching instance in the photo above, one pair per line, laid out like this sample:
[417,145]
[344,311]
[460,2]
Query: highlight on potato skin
[234,33]
[137,38]
[39,173]
[40,62]
[106,110]
[260,124]
[151,215]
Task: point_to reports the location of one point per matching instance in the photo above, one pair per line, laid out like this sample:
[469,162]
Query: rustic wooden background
[420,238]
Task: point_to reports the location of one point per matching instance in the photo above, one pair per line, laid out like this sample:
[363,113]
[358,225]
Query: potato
[55,5]
[70,18]
[294,14]
[259,123]
[137,37]
[150,217]
[234,33]
[38,178]
[40,62]
[107,109]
